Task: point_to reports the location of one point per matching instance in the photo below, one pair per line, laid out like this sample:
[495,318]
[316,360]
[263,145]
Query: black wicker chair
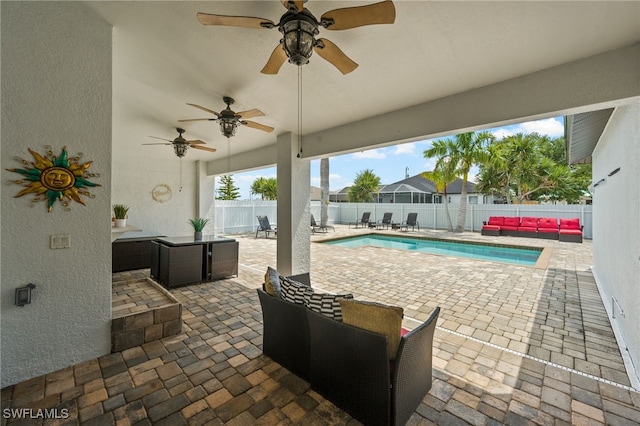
[286,331]
[350,367]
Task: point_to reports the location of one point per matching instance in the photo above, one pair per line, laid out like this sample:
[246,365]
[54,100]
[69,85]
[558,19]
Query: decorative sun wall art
[53,178]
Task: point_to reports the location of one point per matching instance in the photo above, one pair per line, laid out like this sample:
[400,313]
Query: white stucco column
[294,231]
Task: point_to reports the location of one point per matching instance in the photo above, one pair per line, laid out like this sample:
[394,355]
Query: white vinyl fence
[236,217]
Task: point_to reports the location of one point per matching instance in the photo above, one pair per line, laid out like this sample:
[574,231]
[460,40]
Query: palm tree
[364,185]
[267,188]
[442,175]
[464,151]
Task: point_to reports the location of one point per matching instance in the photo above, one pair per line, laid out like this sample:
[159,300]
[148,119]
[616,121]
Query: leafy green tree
[442,175]
[227,189]
[364,185]
[463,151]
[267,188]
[532,167]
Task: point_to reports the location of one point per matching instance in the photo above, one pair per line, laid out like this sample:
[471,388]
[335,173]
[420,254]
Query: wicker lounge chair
[570,230]
[350,367]
[286,331]
[364,221]
[412,221]
[510,226]
[548,228]
[528,227]
[492,227]
[385,222]
[265,226]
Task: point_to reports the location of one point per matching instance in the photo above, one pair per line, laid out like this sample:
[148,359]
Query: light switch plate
[60,241]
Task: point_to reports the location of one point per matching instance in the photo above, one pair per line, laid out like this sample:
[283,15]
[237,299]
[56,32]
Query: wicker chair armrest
[286,333]
[412,375]
[350,367]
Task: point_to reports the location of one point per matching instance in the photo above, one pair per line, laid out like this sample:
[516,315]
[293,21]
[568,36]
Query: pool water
[514,255]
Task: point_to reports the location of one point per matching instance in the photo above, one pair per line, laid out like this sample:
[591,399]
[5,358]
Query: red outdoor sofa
[550,228]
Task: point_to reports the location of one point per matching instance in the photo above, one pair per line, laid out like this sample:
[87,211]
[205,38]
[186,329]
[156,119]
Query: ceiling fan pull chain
[299,112]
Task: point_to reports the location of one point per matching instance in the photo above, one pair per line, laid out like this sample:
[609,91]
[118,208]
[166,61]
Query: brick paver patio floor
[514,345]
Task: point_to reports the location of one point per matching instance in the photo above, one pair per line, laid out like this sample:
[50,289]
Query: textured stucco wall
[56,90]
[294,252]
[616,225]
[134,181]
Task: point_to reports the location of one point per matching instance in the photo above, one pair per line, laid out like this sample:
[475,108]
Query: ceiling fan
[180,144]
[299,29]
[229,119]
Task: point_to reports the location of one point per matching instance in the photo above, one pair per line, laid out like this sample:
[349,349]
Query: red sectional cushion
[529,222]
[566,224]
[496,220]
[547,224]
[511,223]
[490,227]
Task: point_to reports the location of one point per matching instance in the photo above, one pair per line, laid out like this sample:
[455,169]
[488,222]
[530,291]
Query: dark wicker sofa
[348,365]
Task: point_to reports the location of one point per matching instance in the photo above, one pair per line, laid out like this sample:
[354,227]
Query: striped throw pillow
[326,304]
[293,291]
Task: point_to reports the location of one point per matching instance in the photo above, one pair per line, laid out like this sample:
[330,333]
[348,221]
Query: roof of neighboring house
[419,184]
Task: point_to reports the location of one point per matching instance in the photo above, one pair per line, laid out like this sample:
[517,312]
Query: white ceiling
[163,58]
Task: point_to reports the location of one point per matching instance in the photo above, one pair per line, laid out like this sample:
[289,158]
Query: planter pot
[197,236]
[120,223]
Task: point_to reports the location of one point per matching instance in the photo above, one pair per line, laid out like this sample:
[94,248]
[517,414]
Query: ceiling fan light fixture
[180,148]
[228,127]
[299,37]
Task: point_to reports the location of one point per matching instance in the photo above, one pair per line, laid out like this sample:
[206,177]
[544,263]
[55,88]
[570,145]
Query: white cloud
[502,133]
[549,126]
[406,148]
[372,154]
[333,178]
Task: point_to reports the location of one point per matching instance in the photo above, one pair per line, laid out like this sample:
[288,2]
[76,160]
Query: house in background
[418,190]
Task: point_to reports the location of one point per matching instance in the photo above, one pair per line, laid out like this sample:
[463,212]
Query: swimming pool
[497,253]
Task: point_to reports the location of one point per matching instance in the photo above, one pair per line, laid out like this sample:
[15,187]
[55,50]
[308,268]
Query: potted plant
[198,225]
[120,215]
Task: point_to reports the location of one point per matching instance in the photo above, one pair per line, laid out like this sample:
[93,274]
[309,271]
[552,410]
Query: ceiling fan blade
[197,119]
[195,141]
[258,126]
[235,21]
[204,148]
[157,143]
[277,58]
[332,53]
[352,17]
[204,109]
[298,3]
[162,139]
[250,113]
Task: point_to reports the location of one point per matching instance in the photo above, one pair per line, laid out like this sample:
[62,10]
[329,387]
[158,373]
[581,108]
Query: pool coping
[541,263]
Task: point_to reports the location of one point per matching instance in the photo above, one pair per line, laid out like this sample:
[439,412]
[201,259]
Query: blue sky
[390,163]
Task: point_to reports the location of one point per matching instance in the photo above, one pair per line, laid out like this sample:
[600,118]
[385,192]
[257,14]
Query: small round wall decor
[161,193]
[53,178]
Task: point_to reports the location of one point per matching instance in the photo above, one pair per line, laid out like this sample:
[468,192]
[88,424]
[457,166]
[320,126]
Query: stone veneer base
[143,327]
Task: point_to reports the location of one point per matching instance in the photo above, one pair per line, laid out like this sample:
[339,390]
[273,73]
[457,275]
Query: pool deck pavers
[514,345]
